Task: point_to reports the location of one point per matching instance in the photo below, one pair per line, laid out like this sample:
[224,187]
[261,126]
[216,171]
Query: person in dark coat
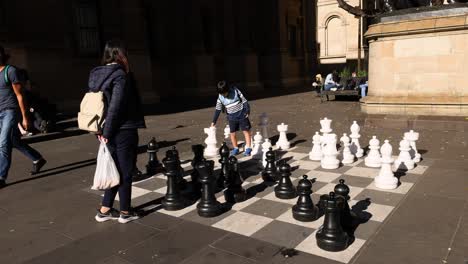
[123,118]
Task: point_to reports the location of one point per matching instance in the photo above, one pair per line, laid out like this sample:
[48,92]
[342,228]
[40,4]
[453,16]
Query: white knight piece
[283,142]
[211,149]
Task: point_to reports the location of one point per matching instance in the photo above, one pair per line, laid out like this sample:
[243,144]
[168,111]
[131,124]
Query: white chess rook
[412,137]
[211,149]
[386,179]
[283,142]
[404,160]
[348,157]
[355,146]
[257,146]
[316,152]
[265,147]
[373,159]
[329,160]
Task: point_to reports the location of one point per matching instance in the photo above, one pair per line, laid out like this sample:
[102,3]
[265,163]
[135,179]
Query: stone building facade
[177,48]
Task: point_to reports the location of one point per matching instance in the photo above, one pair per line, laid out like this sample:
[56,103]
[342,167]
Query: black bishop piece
[269,173]
[153,166]
[234,192]
[224,161]
[347,216]
[285,189]
[330,236]
[208,205]
[305,210]
[173,200]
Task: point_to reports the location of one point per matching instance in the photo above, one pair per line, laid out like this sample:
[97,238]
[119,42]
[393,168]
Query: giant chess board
[267,218]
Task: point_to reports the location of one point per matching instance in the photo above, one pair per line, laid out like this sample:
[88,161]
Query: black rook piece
[224,174]
[208,205]
[173,199]
[347,217]
[305,210]
[234,192]
[180,171]
[330,236]
[285,189]
[269,173]
[197,158]
[153,166]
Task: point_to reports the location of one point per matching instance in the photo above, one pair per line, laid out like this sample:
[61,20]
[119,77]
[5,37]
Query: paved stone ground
[49,219]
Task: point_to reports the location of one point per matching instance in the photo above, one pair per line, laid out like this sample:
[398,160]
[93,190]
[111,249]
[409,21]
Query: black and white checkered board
[265,217]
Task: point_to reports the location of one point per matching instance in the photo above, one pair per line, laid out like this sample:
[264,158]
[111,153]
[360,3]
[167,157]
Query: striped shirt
[235,103]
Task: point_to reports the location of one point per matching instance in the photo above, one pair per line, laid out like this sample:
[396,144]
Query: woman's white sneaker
[125,218]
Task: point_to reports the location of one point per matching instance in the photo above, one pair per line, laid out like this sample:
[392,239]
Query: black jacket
[122,101]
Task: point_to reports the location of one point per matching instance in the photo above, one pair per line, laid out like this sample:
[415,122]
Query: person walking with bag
[123,117]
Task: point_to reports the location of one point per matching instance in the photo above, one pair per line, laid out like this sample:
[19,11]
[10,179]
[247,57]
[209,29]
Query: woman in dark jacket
[122,119]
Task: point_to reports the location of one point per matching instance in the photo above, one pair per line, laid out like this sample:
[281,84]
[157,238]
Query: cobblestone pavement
[48,218]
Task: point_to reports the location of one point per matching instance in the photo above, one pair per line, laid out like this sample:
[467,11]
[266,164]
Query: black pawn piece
[180,171]
[269,173]
[224,173]
[208,205]
[347,217]
[173,200]
[330,236]
[305,210]
[197,158]
[285,189]
[234,192]
[153,166]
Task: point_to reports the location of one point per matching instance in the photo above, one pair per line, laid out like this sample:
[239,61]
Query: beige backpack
[91,115]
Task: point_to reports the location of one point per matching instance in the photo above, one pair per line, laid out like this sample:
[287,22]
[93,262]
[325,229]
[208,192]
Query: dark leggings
[123,147]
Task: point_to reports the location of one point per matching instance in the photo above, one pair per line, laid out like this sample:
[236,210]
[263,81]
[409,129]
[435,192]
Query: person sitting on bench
[330,81]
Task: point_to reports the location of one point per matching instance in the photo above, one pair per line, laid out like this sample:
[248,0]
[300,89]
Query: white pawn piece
[283,142]
[355,146]
[412,137]
[264,124]
[227,135]
[316,152]
[325,126]
[373,159]
[348,157]
[211,149]
[265,147]
[386,179]
[404,160]
[257,146]
[329,160]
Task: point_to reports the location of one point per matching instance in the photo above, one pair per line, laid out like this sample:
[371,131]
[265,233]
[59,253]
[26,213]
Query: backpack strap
[5,74]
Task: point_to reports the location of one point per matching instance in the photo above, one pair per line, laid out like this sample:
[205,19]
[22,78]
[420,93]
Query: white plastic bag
[106,175]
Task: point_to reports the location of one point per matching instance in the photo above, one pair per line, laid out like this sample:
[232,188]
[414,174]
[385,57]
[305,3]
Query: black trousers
[123,148]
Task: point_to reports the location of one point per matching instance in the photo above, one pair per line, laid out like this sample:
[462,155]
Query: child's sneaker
[247,152]
[235,151]
[112,214]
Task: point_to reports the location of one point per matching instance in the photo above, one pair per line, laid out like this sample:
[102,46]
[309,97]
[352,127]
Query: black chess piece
[234,192]
[285,189]
[330,236]
[221,182]
[197,158]
[153,166]
[305,210]
[348,218]
[180,171]
[173,200]
[208,205]
[270,172]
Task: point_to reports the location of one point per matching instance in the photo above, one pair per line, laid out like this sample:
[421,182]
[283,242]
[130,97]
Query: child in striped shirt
[238,110]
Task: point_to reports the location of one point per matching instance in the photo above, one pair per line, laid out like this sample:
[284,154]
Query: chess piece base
[285,194]
[387,183]
[305,215]
[331,241]
[172,204]
[401,165]
[315,156]
[209,210]
[330,165]
[372,163]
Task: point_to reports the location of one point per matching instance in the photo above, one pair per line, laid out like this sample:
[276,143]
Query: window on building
[87,27]
[334,37]
[292,39]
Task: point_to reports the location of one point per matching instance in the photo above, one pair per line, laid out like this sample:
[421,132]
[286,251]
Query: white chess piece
[386,179]
[325,126]
[264,124]
[412,137]
[283,142]
[265,147]
[373,159]
[355,146]
[211,149]
[227,135]
[316,152]
[348,157]
[329,160]
[257,146]
[404,160]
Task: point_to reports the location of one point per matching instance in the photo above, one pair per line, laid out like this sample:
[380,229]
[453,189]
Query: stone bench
[324,93]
